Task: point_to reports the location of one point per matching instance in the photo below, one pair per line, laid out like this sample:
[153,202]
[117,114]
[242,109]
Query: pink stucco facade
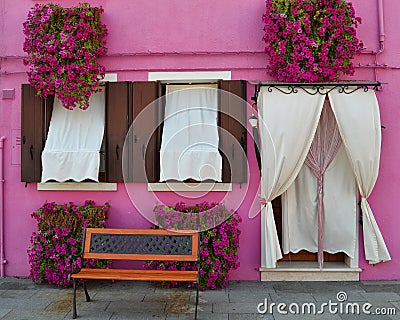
[148,36]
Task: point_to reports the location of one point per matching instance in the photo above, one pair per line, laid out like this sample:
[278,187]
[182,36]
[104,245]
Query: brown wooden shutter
[118,121]
[35,120]
[146,132]
[233,119]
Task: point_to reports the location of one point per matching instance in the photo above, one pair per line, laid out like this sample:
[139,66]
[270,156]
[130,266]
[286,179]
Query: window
[123,103]
[189,142]
[146,140]
[36,115]
[74,139]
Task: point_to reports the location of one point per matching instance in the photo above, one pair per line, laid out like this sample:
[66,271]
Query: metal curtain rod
[316,87]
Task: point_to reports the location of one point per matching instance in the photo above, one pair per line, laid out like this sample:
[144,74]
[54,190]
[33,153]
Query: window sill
[309,271]
[182,187]
[77,186]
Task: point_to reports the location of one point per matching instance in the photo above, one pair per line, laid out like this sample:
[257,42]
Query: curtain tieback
[263,201]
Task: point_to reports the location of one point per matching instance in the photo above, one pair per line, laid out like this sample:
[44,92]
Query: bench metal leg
[74,301]
[86,292]
[197,302]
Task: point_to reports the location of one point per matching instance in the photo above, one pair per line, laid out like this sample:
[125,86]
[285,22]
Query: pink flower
[329,41]
[50,56]
[56,245]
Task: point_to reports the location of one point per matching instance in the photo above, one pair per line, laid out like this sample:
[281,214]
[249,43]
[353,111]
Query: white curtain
[72,150]
[287,127]
[300,207]
[359,124]
[189,145]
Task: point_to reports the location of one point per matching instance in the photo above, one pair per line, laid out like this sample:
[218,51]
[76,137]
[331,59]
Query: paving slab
[135,316]
[381,287]
[214,296]
[3,312]
[180,309]
[291,297]
[23,304]
[249,289]
[326,296]
[308,317]
[394,317]
[250,316]
[239,307]
[118,295]
[200,316]
[156,308]
[363,317]
[49,294]
[172,295]
[11,283]
[19,294]
[380,296]
[238,296]
[89,315]
[27,315]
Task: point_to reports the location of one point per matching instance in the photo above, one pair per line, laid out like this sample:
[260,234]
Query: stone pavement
[20,299]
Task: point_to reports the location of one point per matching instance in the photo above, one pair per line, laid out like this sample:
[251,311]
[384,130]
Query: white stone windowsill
[309,271]
[77,186]
[183,187]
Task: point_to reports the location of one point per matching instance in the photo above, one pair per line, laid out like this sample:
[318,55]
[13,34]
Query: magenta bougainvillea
[219,245]
[63,45]
[310,40]
[55,250]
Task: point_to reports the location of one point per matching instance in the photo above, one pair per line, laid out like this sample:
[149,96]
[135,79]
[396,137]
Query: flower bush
[56,246]
[310,40]
[219,245]
[62,46]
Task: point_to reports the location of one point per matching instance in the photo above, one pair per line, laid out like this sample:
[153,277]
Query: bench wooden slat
[124,274]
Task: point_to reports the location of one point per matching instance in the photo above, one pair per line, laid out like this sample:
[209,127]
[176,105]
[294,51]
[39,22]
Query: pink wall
[175,36]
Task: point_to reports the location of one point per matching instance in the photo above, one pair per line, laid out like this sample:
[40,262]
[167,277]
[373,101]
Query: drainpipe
[381,48]
[2,259]
[381,28]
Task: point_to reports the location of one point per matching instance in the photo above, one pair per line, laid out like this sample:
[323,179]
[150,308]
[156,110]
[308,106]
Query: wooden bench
[137,244]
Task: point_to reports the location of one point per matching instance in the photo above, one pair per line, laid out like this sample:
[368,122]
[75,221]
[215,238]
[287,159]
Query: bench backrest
[141,244]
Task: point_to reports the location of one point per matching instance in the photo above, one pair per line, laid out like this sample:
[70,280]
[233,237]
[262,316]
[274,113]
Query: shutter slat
[233,119]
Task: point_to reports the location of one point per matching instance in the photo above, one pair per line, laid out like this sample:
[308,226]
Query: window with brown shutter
[147,133]
[36,114]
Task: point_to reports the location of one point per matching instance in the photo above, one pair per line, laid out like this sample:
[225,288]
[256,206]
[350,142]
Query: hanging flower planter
[63,45]
[310,40]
